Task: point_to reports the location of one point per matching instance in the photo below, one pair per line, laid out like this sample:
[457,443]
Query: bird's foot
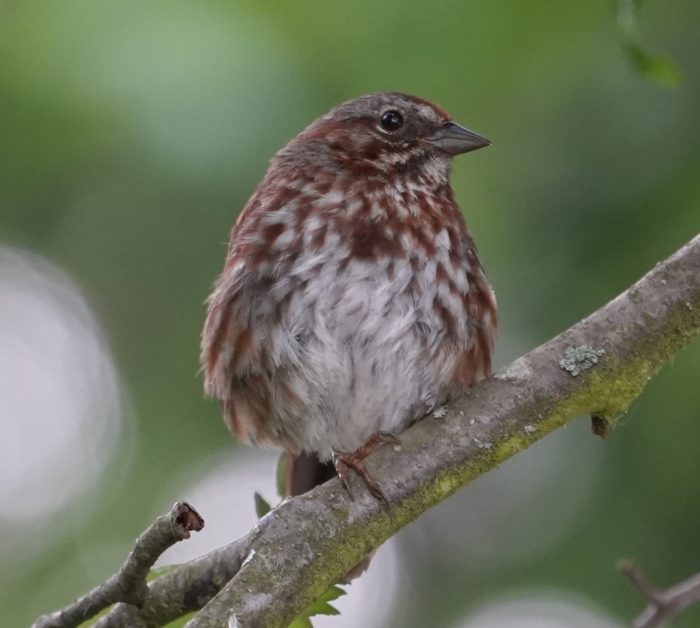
[344,461]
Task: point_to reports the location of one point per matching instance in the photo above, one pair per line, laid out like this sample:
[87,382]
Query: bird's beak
[454,139]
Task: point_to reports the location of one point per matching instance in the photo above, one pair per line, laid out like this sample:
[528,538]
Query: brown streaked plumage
[352,301]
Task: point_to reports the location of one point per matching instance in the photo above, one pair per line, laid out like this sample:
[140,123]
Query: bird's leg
[344,461]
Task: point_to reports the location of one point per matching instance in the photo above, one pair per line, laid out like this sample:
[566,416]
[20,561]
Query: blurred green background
[132,133]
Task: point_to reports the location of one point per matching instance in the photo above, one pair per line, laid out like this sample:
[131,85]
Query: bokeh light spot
[61,407]
[552,609]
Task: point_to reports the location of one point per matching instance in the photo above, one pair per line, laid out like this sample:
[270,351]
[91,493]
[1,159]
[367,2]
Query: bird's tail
[304,472]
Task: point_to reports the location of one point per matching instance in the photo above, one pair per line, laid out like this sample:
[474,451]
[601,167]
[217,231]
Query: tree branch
[129,583]
[663,605]
[597,367]
[184,589]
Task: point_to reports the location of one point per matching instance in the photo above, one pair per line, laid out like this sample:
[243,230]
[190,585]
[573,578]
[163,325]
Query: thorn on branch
[663,605]
[634,574]
[600,426]
[129,583]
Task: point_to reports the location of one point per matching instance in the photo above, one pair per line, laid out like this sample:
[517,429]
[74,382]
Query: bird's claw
[344,461]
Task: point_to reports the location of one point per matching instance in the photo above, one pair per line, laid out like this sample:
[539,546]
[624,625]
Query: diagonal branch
[663,605]
[129,583]
[597,367]
[182,590]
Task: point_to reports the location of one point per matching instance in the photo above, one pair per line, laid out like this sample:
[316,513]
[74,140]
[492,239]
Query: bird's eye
[391,120]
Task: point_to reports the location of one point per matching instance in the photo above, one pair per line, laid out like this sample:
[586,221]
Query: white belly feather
[361,336]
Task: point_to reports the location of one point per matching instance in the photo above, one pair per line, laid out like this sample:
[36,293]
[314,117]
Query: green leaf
[321,606]
[659,68]
[262,506]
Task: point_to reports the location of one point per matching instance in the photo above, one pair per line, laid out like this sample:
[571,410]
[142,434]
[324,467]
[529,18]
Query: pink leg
[344,461]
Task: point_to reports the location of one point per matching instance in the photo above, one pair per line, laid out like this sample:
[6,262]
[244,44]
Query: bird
[353,301]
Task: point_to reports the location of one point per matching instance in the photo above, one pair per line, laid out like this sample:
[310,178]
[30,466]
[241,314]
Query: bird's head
[387,132]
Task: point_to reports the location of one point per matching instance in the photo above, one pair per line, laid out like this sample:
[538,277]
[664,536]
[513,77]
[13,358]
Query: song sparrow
[352,301]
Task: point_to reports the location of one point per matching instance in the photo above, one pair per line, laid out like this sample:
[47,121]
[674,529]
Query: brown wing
[230,349]
[241,315]
[482,321]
